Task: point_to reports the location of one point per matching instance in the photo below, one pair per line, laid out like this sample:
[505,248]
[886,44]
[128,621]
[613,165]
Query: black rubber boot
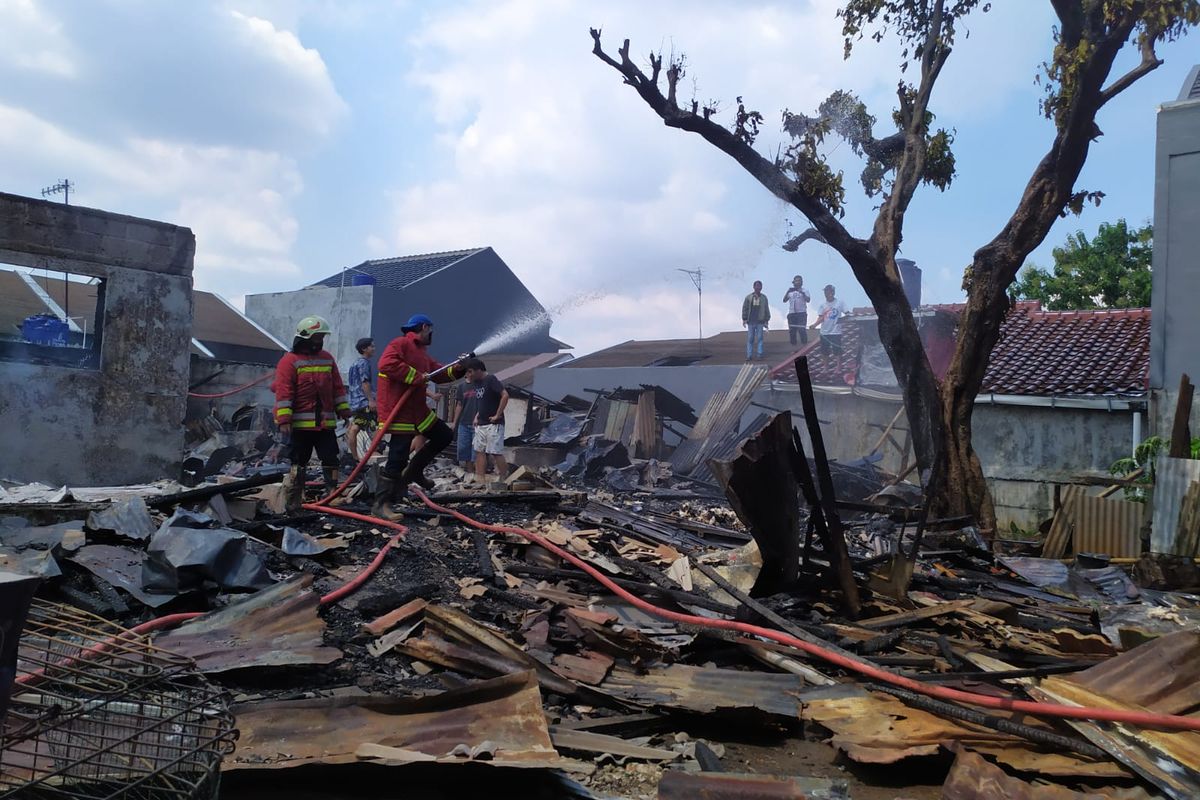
[414,476]
[387,491]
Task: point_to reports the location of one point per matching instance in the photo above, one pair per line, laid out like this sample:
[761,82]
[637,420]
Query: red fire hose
[254,382]
[1141,718]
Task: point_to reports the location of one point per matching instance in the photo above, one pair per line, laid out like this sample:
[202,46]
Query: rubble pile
[484,651]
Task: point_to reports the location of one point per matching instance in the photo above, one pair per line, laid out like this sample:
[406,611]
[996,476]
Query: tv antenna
[63,187]
[697,276]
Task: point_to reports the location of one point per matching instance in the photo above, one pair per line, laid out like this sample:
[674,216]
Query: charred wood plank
[836,550]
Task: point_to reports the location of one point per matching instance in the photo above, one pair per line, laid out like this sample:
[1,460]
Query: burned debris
[613,627]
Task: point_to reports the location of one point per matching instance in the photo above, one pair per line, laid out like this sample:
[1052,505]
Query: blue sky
[297,138]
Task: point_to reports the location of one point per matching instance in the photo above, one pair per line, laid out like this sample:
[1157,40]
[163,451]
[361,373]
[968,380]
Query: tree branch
[1150,62]
[793,244]
[866,269]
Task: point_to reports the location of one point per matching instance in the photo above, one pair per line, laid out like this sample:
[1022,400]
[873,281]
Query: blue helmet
[415,322]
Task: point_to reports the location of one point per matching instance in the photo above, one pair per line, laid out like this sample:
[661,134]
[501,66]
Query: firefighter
[406,364]
[309,395]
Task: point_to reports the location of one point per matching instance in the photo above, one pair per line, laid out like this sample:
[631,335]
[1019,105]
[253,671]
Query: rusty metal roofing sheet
[502,715]
[1168,761]
[1111,527]
[973,778]
[278,626]
[1163,674]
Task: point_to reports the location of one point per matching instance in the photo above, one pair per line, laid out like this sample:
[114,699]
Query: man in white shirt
[797,299]
[830,321]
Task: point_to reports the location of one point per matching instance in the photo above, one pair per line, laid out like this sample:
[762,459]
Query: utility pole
[697,276]
[63,187]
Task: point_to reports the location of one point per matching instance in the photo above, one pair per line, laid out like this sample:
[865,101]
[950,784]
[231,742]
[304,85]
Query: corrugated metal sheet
[1086,524]
[720,419]
[1172,477]
[1112,527]
[1163,675]
[275,627]
[503,716]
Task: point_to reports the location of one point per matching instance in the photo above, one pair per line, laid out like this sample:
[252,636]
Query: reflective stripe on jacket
[404,363]
[309,391]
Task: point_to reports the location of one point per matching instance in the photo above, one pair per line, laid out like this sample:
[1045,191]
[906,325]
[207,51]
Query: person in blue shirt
[361,382]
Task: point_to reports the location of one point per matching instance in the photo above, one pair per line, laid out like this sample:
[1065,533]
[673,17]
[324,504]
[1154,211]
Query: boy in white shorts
[490,399]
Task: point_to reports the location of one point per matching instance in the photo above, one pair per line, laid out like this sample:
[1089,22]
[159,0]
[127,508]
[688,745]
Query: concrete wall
[1175,325]
[119,423]
[348,310]
[231,375]
[1025,451]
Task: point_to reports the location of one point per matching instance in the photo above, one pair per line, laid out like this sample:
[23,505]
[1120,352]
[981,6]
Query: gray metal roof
[1191,85]
[402,271]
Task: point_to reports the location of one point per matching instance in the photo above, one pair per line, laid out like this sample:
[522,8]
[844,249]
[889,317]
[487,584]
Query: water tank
[45,329]
[359,279]
[910,276]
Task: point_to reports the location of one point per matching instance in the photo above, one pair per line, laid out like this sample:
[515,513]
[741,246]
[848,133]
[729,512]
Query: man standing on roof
[362,394]
[756,315]
[309,394]
[404,365]
[797,300]
[830,320]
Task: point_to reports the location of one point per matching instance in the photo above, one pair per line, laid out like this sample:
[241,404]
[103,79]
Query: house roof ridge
[414,256]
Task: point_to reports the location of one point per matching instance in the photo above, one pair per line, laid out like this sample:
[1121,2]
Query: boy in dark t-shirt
[491,398]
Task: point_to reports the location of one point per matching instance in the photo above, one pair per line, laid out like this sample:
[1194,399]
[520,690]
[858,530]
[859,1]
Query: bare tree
[1076,76]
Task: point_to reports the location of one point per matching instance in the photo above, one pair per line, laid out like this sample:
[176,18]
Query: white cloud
[547,157]
[31,41]
[235,201]
[204,130]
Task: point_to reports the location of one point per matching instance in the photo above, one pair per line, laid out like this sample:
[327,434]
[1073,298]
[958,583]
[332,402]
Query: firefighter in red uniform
[309,396]
[405,364]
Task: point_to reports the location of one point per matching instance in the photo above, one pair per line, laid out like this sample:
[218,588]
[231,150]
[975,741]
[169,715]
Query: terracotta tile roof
[1046,353]
[1071,352]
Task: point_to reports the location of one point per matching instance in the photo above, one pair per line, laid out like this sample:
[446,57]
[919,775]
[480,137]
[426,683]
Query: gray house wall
[119,423]
[1175,326]
[348,310]
[1025,451]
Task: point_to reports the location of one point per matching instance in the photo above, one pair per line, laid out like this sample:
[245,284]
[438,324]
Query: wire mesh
[97,712]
